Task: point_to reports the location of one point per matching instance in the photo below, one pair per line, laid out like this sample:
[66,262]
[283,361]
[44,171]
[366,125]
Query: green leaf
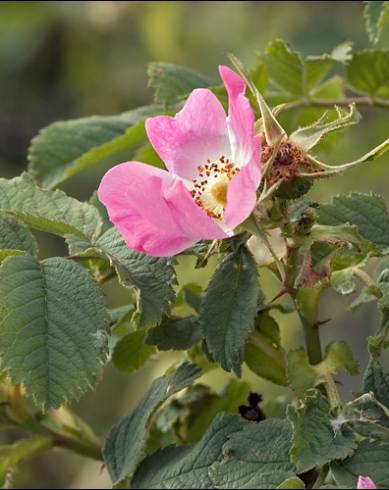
[263,352]
[188,466]
[12,456]
[67,148]
[292,483]
[317,438]
[301,375]
[285,67]
[125,445]
[380,341]
[5,253]
[368,72]
[230,399]
[53,324]
[229,307]
[367,212]
[16,237]
[344,281]
[339,355]
[256,457]
[121,319]
[369,459]
[308,137]
[172,82]
[131,352]
[147,154]
[367,417]
[375,13]
[191,295]
[295,76]
[51,211]
[175,334]
[152,277]
[377,381]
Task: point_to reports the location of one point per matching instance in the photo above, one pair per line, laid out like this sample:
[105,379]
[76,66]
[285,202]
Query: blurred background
[61,60]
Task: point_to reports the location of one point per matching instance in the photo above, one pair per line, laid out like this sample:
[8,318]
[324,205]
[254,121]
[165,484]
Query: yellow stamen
[209,189]
[219,192]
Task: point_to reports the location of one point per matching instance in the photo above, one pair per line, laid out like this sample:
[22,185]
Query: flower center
[209,189]
[219,191]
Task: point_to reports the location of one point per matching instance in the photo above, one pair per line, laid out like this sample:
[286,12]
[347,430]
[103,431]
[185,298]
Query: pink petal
[197,133]
[364,482]
[153,210]
[240,117]
[242,191]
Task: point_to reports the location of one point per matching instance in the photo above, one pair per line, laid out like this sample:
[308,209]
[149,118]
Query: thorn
[283,291]
[320,323]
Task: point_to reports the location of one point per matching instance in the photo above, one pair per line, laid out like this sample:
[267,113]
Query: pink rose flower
[364,482]
[209,188]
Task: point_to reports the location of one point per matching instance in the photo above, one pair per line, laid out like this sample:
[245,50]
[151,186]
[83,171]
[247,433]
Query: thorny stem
[305,301]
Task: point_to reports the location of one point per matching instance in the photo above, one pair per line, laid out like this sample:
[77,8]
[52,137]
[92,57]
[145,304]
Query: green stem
[316,102]
[311,334]
[306,302]
[21,416]
[82,448]
[322,476]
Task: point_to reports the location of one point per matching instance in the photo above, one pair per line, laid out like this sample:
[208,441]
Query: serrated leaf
[367,212]
[375,13]
[369,459]
[263,353]
[256,457]
[380,341]
[368,72]
[308,137]
[377,381]
[53,324]
[285,67]
[367,417]
[131,352]
[16,237]
[67,148]
[175,334]
[317,439]
[229,308]
[125,445]
[50,211]
[338,355]
[295,76]
[152,277]
[188,466]
[301,375]
[172,82]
